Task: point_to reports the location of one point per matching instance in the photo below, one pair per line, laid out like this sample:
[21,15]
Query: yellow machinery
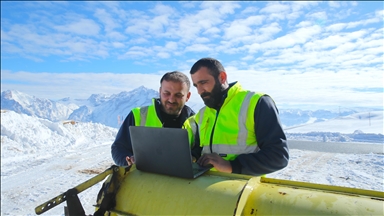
[133,192]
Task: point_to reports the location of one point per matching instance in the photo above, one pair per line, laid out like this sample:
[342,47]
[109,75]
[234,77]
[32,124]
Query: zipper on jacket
[213,130]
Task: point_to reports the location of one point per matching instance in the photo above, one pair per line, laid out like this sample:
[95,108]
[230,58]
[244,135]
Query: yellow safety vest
[232,130]
[147,116]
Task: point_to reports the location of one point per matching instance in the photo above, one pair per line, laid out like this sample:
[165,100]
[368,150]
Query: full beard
[212,99]
[173,110]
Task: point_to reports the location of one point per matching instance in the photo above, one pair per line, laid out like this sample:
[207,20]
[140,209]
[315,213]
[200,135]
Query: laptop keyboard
[197,167]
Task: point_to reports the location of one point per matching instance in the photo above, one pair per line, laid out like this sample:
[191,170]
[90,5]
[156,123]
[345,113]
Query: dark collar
[224,96]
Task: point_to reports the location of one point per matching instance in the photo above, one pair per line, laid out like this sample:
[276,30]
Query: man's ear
[188,96]
[223,77]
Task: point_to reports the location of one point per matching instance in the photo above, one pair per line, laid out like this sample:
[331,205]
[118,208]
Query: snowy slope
[41,159]
[363,122]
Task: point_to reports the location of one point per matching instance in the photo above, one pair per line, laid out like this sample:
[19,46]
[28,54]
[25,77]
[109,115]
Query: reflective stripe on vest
[143,115]
[147,116]
[191,127]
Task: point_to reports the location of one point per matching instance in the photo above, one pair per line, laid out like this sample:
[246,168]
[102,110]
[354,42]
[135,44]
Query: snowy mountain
[111,110]
[33,106]
[98,108]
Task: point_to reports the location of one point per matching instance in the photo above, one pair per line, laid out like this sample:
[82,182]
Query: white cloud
[82,27]
[228,7]
[299,36]
[214,31]
[148,27]
[161,9]
[5,36]
[317,86]
[116,35]
[275,7]
[304,24]
[138,28]
[223,7]
[318,15]
[379,13]
[334,4]
[247,58]
[362,22]
[336,27]
[109,23]
[354,3]
[163,55]
[139,41]
[197,48]
[270,29]
[200,40]
[242,27]
[171,45]
[237,30]
[371,43]
[293,16]
[335,40]
[300,5]
[250,10]
[158,25]
[137,52]
[263,34]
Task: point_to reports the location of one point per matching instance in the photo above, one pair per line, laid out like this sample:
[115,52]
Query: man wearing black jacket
[167,111]
[240,130]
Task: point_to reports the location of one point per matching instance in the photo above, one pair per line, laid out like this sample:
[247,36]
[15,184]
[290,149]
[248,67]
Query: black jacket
[271,139]
[122,146]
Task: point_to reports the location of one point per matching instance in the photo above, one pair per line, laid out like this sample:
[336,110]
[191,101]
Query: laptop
[164,151]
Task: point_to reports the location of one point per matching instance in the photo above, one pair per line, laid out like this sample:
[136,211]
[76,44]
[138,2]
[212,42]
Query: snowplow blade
[141,193]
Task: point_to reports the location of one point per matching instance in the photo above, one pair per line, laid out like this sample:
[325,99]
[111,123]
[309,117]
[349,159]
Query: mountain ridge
[112,110]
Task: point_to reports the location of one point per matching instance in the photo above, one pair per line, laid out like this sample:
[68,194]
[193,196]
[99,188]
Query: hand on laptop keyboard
[130,160]
[217,161]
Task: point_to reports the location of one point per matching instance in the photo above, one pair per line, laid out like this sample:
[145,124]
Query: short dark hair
[176,76]
[213,65]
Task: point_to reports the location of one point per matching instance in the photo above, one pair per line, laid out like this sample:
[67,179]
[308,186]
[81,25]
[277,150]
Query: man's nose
[171,98]
[200,90]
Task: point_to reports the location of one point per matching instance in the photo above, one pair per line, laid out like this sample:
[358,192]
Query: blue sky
[304,54]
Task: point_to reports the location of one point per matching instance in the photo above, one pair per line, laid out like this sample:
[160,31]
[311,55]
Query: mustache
[174,103]
[205,94]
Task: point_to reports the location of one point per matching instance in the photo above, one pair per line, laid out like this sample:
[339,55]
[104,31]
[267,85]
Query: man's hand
[218,162]
[130,160]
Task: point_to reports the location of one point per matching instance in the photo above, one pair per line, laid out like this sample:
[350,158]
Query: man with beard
[167,111]
[240,130]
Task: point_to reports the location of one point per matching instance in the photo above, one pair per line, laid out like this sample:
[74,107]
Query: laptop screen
[162,150]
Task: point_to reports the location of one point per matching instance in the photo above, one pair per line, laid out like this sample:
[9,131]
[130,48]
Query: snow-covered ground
[41,159]
[363,122]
